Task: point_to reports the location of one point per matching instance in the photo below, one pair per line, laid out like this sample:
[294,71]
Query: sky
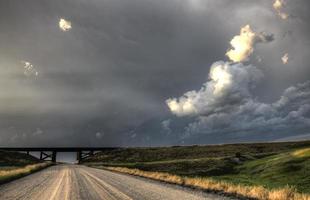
[153,73]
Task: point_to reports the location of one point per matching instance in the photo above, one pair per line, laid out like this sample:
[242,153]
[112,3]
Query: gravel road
[75,182]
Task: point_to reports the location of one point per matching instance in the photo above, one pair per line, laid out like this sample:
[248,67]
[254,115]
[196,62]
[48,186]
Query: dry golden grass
[255,192]
[10,174]
[302,153]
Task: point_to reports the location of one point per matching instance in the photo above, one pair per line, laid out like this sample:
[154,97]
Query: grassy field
[14,165]
[289,168]
[131,155]
[272,166]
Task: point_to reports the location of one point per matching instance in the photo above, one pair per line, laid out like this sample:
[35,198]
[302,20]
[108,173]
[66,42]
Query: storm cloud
[229,84]
[289,114]
[113,71]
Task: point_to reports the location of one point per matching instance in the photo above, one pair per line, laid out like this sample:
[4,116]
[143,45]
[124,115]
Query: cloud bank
[291,113]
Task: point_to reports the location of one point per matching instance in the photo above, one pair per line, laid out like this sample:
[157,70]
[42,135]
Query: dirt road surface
[75,182]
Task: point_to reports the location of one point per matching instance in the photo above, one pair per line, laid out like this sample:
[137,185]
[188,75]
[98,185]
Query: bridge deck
[58,149]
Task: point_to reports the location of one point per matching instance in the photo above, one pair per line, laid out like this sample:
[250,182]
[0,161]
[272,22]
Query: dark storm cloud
[291,113]
[112,72]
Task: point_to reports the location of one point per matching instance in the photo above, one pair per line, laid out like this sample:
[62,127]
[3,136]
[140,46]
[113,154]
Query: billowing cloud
[228,84]
[226,104]
[243,44]
[290,113]
[64,25]
[285,58]
[278,6]
[29,69]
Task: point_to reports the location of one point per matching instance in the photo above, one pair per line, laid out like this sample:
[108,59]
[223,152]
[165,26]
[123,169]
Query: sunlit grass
[302,153]
[11,173]
[289,168]
[256,192]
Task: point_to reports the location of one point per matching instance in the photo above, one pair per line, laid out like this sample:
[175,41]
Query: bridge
[50,153]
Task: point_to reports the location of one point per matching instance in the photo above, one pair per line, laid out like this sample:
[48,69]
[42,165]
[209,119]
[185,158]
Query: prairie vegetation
[261,171]
[253,192]
[145,154]
[14,165]
[12,173]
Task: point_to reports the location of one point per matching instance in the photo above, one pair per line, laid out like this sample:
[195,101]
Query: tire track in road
[62,186]
[109,189]
[57,186]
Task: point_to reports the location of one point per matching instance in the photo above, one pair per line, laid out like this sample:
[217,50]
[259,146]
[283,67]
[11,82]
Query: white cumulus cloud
[243,44]
[278,6]
[285,58]
[225,104]
[227,83]
[64,25]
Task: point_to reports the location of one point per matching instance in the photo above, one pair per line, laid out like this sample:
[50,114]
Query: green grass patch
[190,167]
[132,155]
[271,165]
[289,168]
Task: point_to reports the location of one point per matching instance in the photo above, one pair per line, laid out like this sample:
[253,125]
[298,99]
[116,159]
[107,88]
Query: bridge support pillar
[79,156]
[48,156]
[54,156]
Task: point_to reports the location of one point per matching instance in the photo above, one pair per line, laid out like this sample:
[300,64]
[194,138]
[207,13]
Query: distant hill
[124,155]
